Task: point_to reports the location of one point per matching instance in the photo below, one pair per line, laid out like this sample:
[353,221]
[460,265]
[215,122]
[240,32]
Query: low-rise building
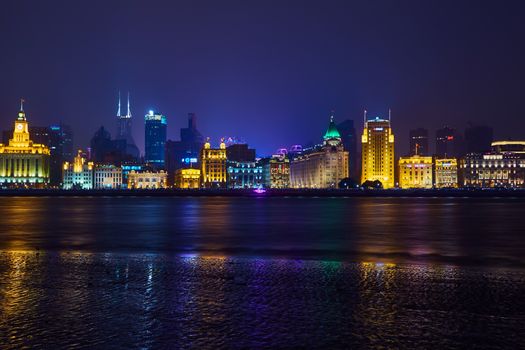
[79,174]
[276,171]
[213,166]
[146,180]
[503,167]
[187,178]
[107,177]
[244,175]
[415,172]
[323,166]
[445,172]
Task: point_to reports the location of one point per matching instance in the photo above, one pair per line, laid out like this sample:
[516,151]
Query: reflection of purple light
[259,190]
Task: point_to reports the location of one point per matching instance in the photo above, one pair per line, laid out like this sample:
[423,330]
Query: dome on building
[332,132]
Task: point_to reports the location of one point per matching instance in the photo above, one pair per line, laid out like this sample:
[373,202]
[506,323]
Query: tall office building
[22,162]
[348,138]
[104,150]
[419,142]
[478,138]
[213,166]
[377,153]
[322,166]
[155,139]
[184,153]
[124,130]
[445,142]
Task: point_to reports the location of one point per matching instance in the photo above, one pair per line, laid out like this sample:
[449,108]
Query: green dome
[332,132]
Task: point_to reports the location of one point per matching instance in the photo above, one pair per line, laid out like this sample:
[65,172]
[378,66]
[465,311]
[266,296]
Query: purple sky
[265,71]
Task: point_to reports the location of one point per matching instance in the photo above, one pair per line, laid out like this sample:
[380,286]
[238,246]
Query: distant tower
[124,130]
[378,151]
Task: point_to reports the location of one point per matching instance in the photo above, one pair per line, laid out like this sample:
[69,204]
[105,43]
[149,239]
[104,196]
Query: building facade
[349,139]
[187,178]
[323,166]
[276,171]
[378,152]
[155,139]
[415,172]
[504,166]
[146,180]
[244,174]
[107,177]
[445,172]
[213,166]
[79,174]
[22,162]
[445,142]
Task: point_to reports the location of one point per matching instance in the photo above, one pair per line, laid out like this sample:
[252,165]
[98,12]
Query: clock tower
[21,130]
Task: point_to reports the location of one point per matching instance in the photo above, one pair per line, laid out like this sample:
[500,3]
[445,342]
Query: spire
[332,132]
[129,109]
[389,114]
[21,113]
[22,104]
[118,110]
[364,117]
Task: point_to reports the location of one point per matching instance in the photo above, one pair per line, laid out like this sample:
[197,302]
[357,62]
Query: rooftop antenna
[389,114]
[22,104]
[364,117]
[118,111]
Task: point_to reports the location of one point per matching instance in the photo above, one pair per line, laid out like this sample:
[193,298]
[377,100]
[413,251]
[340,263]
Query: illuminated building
[155,138]
[415,172]
[213,166]
[323,166]
[418,139]
[445,172]
[276,171]
[79,174]
[445,143]
[504,166]
[377,155]
[244,174]
[146,180]
[187,178]
[107,177]
[124,131]
[23,162]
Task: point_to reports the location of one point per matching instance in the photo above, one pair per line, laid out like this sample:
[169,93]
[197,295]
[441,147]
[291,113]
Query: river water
[262,272]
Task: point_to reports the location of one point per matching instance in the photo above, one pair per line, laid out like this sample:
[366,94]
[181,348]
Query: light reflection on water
[443,230]
[54,300]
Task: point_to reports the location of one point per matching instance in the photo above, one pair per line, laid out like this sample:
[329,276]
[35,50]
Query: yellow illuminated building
[446,172]
[187,178]
[378,152]
[415,172]
[213,166]
[78,175]
[146,180]
[23,162]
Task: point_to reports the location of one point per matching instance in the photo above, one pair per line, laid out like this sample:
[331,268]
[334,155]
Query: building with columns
[22,162]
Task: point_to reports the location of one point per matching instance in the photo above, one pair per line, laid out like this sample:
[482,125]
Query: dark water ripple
[78,300]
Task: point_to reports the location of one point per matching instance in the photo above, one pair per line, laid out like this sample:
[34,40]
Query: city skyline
[272,73]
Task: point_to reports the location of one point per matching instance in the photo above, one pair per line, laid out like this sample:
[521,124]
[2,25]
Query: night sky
[265,71]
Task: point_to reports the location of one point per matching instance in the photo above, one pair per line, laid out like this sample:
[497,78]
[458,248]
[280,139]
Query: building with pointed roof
[124,130]
[322,166]
[22,162]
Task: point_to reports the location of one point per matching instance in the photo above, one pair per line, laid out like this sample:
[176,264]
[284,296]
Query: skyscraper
[418,142]
[124,130]
[445,142]
[155,138]
[378,151]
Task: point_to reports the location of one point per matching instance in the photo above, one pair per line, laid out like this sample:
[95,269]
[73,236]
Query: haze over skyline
[267,72]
